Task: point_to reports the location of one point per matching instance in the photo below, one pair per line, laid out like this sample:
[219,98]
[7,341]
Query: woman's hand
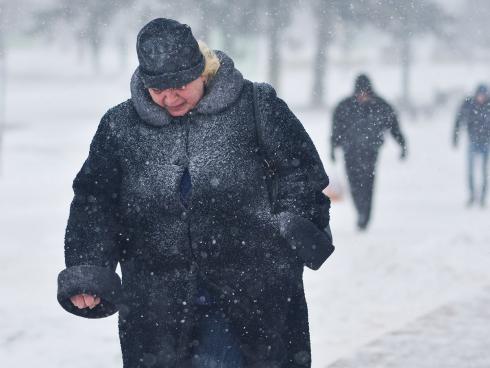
[85,300]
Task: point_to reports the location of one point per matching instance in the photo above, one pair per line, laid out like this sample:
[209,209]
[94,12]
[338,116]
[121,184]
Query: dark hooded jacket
[476,118]
[360,127]
[127,209]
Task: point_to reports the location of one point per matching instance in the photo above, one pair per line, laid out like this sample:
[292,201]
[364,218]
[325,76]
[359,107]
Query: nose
[169,97]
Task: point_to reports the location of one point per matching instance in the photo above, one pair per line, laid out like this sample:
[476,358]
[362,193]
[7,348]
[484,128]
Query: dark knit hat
[363,85]
[168,54]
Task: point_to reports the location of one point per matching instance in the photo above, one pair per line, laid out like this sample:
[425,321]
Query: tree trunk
[122,45]
[94,39]
[206,15]
[320,66]
[95,53]
[274,56]
[406,56]
[228,42]
[3,85]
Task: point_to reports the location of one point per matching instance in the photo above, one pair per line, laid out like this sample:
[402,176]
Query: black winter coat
[360,127]
[127,210]
[476,118]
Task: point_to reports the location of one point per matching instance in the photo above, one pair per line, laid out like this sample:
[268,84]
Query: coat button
[184,215]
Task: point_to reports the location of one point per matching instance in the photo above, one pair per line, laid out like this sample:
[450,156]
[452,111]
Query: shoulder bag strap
[268,164]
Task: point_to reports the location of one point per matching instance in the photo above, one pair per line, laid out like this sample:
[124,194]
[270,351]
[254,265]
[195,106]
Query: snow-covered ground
[423,250]
[452,336]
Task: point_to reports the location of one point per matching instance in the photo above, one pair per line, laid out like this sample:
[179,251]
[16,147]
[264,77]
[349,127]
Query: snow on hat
[363,84]
[168,54]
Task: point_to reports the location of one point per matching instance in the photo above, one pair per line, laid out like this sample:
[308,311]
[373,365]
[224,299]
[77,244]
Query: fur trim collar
[222,91]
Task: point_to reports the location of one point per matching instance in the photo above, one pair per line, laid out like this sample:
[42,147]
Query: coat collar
[222,91]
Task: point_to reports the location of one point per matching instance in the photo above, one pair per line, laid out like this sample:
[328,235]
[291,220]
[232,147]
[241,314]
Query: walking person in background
[177,190]
[359,124]
[474,114]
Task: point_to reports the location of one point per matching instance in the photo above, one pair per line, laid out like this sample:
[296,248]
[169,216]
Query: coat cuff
[93,280]
[311,244]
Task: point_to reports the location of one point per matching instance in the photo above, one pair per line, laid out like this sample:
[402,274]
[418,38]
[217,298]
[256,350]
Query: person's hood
[363,85]
[481,90]
[222,91]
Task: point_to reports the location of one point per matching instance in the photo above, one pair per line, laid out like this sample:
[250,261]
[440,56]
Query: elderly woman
[207,191]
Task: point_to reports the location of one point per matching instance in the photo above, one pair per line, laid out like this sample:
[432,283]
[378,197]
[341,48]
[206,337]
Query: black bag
[312,244]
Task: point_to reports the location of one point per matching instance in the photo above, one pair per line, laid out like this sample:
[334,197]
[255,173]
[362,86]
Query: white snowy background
[424,252]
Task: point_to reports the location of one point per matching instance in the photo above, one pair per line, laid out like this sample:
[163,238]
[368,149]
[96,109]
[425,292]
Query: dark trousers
[217,345]
[475,151]
[360,168]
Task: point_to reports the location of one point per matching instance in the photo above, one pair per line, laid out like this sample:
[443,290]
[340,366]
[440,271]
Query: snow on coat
[361,126]
[127,210]
[476,118]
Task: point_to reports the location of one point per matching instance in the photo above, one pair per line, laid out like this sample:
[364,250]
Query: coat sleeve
[302,209]
[461,118]
[338,125]
[394,125]
[91,251]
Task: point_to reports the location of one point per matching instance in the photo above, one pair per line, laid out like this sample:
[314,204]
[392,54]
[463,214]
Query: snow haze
[423,264]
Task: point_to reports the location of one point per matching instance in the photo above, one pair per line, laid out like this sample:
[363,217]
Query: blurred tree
[327,14]
[473,29]
[9,27]
[86,20]
[3,74]
[278,16]
[233,21]
[405,20]
[207,17]
[91,22]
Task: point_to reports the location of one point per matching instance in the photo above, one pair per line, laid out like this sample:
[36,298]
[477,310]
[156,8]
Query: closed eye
[156,90]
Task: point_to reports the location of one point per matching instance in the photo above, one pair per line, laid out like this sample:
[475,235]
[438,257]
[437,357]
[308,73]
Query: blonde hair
[211,60]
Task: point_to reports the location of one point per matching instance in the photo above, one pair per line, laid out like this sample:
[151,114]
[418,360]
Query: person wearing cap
[176,191]
[474,114]
[359,124]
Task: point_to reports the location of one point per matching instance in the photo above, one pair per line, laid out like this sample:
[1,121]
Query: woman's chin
[178,111]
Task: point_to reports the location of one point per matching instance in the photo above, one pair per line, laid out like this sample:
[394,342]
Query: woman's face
[179,101]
